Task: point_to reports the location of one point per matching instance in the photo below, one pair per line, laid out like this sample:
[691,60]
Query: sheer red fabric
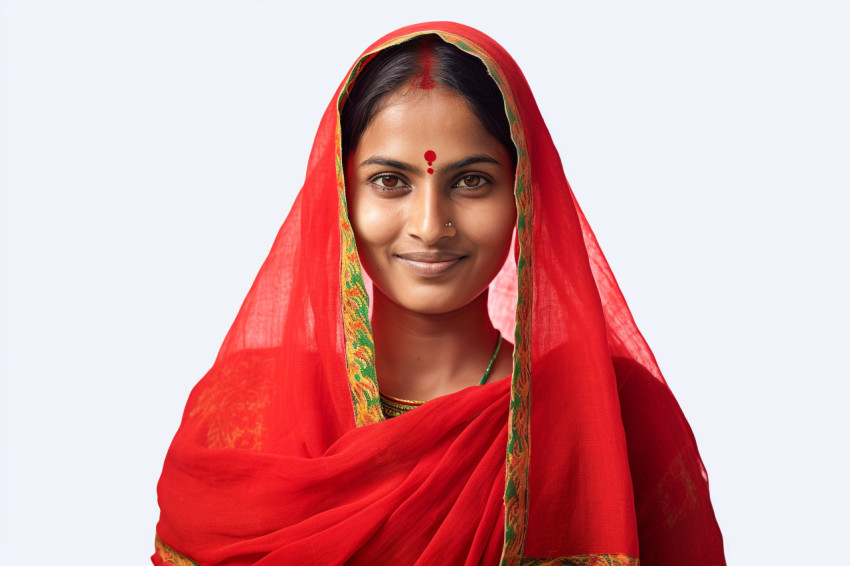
[581,455]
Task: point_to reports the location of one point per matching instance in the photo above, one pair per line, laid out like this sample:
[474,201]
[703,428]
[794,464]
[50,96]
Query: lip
[429,264]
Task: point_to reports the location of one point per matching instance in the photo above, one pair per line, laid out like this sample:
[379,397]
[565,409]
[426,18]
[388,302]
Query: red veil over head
[581,457]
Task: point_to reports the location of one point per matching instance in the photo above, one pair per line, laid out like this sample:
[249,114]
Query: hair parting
[424,62]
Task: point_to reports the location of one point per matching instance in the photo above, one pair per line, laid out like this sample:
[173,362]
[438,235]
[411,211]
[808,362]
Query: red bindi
[430,157]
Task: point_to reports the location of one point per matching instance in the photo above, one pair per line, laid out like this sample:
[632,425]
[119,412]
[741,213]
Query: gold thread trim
[171,556]
[584,560]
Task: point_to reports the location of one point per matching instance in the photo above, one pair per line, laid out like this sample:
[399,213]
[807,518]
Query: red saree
[582,456]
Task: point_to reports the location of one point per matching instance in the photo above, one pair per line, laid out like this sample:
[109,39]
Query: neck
[422,356]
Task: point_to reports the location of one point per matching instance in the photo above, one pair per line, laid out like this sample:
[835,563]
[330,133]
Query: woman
[311,440]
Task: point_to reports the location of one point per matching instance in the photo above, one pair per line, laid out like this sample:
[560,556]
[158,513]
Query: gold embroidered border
[584,560]
[171,556]
[359,344]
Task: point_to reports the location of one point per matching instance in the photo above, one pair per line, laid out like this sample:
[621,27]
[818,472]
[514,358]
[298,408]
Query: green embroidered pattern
[359,344]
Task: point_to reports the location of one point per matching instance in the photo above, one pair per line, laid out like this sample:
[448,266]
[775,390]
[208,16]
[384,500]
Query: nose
[429,215]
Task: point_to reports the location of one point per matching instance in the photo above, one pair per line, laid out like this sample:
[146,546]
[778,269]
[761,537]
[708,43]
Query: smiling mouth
[430,264]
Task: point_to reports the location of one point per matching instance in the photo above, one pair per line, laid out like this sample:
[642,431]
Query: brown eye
[470,181]
[388,181]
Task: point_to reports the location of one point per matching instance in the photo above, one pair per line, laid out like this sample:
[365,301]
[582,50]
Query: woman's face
[431,200]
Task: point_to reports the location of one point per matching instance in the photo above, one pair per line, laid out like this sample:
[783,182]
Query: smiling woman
[372,403]
[431,238]
[432,232]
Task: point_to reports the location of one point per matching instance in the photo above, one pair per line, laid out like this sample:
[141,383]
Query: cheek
[374,229]
[507,214]
[494,229]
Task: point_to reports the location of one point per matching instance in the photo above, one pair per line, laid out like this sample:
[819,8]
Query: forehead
[418,120]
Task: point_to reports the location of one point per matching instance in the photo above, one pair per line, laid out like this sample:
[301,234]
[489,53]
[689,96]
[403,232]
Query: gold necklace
[393,406]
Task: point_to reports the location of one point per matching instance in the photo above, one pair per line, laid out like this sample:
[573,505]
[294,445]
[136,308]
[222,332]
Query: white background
[149,151]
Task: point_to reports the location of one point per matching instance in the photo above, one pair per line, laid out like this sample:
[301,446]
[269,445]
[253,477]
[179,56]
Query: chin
[434,301]
[433,308]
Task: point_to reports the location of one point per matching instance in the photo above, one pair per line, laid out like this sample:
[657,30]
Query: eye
[470,182]
[387,182]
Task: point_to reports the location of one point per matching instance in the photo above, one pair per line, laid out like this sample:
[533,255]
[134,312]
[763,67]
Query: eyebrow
[472,160]
[378,160]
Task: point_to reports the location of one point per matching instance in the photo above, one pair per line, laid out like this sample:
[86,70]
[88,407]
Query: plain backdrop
[150,150]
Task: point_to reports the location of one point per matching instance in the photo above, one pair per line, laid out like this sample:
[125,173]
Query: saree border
[357,329]
[169,556]
[359,344]
[584,560]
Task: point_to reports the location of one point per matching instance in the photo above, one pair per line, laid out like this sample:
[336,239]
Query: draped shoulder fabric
[581,456]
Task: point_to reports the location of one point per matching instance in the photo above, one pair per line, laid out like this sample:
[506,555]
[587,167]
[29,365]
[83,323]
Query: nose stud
[449,224]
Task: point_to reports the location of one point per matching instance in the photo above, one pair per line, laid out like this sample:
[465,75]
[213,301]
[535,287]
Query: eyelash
[374,181]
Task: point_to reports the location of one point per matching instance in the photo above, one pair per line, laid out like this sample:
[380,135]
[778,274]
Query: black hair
[438,61]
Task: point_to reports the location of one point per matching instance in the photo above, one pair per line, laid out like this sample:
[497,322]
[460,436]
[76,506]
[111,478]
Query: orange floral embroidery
[171,556]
